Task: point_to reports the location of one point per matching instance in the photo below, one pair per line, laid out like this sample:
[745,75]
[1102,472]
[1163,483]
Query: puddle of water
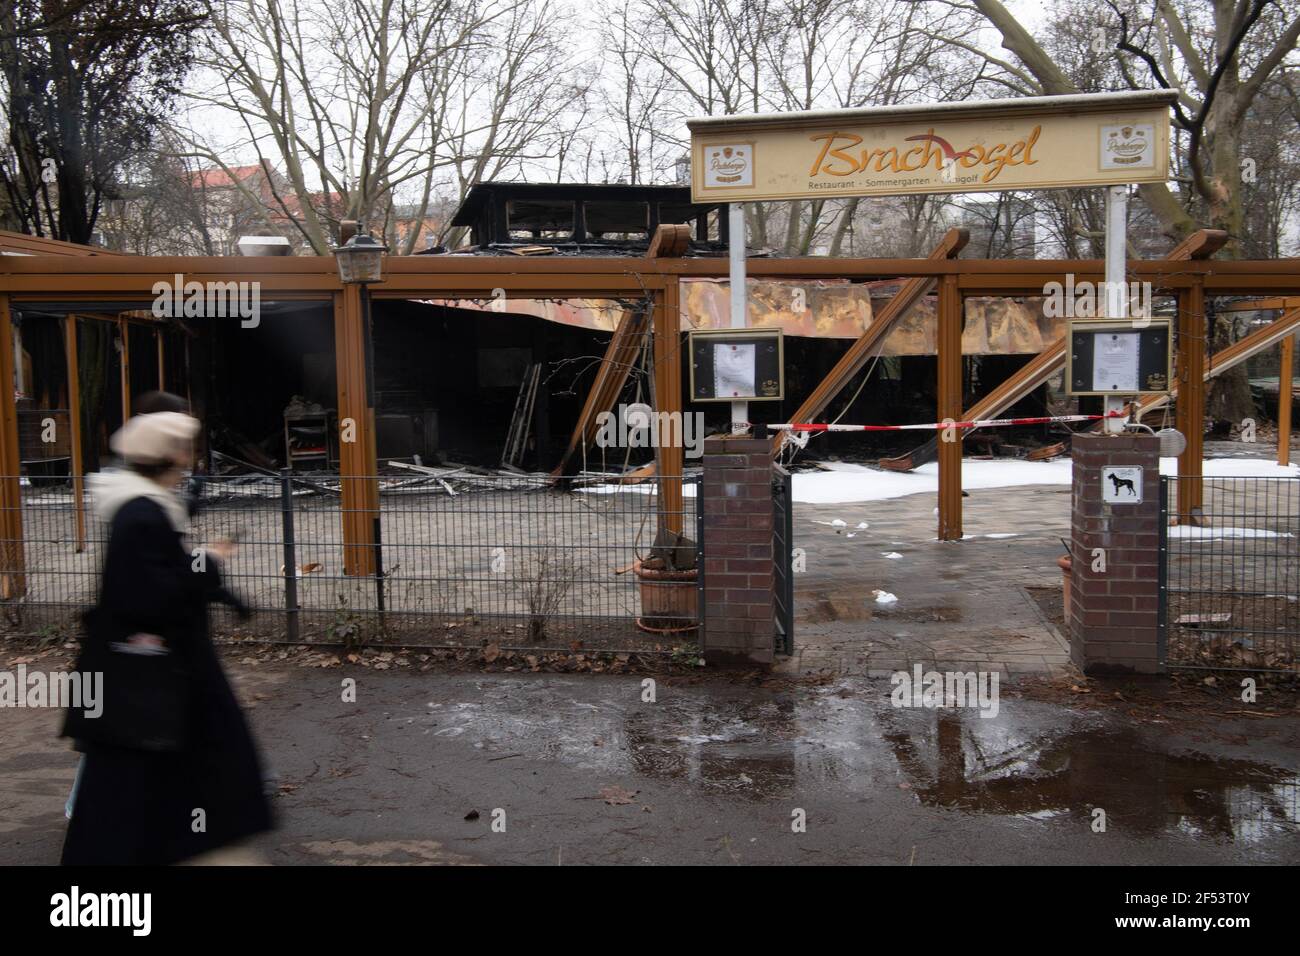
[1141,788]
[1032,763]
[821,607]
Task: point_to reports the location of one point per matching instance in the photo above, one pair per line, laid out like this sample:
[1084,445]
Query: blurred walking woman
[169,768]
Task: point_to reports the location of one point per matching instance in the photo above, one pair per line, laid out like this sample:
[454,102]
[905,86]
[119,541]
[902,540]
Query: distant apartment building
[205,211]
[245,200]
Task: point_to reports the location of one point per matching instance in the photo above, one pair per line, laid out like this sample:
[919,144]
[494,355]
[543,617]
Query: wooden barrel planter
[670,600]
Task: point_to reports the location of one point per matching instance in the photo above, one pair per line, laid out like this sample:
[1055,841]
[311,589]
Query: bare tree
[714,57]
[87,87]
[1219,55]
[514,111]
[365,105]
[633,92]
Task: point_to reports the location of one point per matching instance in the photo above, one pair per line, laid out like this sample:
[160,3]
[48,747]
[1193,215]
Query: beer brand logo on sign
[731,165]
[1124,147]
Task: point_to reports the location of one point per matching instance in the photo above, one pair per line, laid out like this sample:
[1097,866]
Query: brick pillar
[1112,617]
[739,622]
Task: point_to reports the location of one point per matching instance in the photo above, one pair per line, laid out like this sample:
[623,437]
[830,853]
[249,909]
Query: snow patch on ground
[1236,468]
[1211,534]
[847,483]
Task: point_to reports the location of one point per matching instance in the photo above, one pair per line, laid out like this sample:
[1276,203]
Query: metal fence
[460,560]
[783,555]
[1230,575]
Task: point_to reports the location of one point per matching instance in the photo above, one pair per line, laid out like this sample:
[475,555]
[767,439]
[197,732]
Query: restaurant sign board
[1046,142]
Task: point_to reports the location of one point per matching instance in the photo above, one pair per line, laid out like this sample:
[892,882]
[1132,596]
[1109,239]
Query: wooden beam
[1199,245]
[617,363]
[869,341]
[1285,396]
[358,465]
[131,278]
[1233,355]
[1190,359]
[124,359]
[20,243]
[162,359]
[948,346]
[668,398]
[1187,368]
[670,241]
[74,427]
[1190,412]
[13,579]
[1260,305]
[1036,371]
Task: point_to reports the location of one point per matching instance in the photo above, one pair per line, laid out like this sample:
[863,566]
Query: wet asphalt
[553,769]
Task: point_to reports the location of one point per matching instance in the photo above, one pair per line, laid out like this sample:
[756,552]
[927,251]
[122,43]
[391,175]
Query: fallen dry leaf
[617,796]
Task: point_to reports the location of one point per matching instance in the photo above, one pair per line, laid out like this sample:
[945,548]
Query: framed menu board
[737,365]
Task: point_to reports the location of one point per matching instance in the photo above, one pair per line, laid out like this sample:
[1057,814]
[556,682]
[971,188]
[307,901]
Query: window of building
[540,219]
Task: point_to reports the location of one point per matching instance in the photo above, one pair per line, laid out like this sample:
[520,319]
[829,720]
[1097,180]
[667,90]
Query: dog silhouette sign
[1121,484]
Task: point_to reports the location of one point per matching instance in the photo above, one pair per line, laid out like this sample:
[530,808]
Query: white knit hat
[154,439]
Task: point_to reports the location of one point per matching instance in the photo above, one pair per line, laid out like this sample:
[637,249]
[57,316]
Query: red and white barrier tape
[940,426]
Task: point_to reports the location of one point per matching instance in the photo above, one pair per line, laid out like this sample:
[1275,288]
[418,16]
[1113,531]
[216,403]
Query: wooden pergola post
[1285,396]
[1190,411]
[162,358]
[74,426]
[1189,416]
[948,347]
[668,398]
[358,464]
[124,334]
[13,582]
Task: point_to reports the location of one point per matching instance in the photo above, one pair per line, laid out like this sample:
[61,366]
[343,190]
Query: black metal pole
[1162,575]
[700,551]
[379,571]
[290,556]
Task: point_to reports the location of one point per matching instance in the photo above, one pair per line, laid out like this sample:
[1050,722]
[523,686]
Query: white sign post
[1116,358]
[736,249]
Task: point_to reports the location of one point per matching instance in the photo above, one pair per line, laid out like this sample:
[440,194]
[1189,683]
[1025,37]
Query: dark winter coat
[194,767]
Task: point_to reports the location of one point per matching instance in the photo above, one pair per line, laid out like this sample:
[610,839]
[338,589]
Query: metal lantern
[361,259]
[1172,442]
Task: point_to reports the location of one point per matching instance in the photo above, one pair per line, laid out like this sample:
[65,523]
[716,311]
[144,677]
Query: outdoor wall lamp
[361,260]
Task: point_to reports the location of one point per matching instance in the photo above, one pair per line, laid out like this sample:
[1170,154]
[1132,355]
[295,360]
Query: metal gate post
[379,569]
[290,555]
[786,557]
[1162,577]
[698,483]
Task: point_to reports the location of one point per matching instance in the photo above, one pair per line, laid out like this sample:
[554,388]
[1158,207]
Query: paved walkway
[960,604]
[552,769]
